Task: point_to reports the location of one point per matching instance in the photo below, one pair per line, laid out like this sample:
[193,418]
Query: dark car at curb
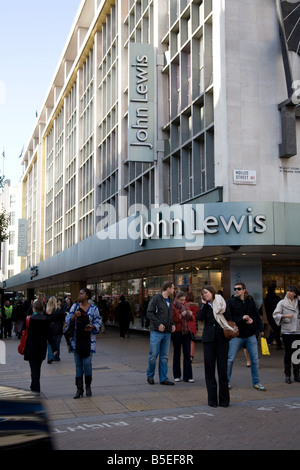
[24,423]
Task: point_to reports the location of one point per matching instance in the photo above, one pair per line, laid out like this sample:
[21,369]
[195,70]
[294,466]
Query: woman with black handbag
[214,313]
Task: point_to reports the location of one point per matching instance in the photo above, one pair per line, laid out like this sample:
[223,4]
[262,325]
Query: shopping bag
[264,347]
[22,345]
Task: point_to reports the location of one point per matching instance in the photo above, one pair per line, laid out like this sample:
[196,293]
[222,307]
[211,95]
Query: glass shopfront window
[281,281]
[57,290]
[140,286]
[191,277]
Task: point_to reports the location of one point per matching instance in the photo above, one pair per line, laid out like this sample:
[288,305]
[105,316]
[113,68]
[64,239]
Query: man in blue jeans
[160,314]
[244,313]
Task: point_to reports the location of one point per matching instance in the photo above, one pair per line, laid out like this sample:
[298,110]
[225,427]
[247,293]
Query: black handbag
[69,334]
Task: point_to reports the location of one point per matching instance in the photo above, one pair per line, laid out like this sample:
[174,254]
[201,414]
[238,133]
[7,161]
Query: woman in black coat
[215,345]
[39,334]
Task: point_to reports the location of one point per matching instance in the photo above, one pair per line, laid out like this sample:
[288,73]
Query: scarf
[290,304]
[184,319]
[219,307]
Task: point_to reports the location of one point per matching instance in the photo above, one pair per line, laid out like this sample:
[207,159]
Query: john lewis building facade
[186,104]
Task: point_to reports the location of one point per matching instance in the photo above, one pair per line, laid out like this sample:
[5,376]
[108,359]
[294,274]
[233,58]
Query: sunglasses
[238,288]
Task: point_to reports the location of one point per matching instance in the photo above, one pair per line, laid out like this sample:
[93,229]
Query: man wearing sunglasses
[244,313]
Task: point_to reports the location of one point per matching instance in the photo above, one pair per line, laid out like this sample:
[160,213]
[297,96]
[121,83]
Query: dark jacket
[57,320]
[124,314]
[159,313]
[212,330]
[238,308]
[19,311]
[39,333]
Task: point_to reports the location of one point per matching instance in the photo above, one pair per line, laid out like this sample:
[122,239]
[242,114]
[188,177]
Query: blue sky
[32,36]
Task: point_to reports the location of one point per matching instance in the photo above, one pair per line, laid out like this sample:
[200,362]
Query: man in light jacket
[160,315]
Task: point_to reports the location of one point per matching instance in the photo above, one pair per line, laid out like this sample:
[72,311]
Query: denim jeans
[83,365]
[159,346]
[57,340]
[235,345]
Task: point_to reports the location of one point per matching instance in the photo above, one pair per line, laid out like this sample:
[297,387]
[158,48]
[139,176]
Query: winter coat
[94,319]
[238,308]
[285,307]
[39,334]
[194,309]
[160,313]
[212,330]
[57,320]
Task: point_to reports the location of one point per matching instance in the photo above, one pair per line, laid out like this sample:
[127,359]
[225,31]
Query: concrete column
[75,288]
[248,271]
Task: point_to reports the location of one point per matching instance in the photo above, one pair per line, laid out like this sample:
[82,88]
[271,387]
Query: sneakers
[189,380]
[259,387]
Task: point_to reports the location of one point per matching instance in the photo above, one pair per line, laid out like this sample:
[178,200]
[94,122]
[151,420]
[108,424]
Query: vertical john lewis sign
[141,133]
[22,237]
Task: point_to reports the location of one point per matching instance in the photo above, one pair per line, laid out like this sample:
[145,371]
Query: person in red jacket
[194,308]
[180,338]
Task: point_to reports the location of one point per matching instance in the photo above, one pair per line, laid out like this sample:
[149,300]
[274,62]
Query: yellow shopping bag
[264,347]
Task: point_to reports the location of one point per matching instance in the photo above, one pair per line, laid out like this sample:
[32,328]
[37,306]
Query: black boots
[296,373]
[88,381]
[79,385]
[287,372]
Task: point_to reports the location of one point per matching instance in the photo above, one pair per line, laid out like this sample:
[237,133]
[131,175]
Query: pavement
[155,416]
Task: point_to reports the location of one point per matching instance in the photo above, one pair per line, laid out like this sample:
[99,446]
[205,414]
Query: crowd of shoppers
[172,317]
[176,322]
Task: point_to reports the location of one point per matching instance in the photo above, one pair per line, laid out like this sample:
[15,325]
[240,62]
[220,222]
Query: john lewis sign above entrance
[190,225]
[274,225]
[141,135]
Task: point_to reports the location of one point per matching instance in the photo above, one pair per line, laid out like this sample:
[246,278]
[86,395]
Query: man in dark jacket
[160,314]
[244,313]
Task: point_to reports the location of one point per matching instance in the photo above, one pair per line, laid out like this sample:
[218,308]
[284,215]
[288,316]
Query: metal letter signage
[141,133]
